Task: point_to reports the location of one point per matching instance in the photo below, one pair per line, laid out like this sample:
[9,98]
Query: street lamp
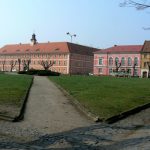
[71,35]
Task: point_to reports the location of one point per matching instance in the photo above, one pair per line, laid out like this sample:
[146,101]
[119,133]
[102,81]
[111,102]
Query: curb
[77,105]
[6,118]
[125,114]
[23,105]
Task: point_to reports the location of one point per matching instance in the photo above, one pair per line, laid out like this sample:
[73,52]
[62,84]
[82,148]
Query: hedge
[40,72]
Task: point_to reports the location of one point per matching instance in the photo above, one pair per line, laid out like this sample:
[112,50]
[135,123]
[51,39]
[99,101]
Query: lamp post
[71,35]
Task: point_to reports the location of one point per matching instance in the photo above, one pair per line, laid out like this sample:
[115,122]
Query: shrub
[32,72]
[22,72]
[40,72]
[47,73]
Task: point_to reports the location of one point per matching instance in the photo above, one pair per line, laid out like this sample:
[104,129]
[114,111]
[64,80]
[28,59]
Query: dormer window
[4,51]
[18,50]
[57,49]
[27,50]
[37,50]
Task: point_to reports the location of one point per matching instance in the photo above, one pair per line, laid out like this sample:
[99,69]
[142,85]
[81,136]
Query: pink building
[120,59]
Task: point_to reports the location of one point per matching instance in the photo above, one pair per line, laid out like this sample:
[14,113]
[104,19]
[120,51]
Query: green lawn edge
[18,87]
[92,93]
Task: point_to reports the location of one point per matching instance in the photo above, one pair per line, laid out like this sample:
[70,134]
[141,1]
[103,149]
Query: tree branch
[46,64]
[12,64]
[139,6]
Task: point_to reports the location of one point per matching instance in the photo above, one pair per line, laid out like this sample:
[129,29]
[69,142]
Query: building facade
[67,58]
[145,60]
[125,59]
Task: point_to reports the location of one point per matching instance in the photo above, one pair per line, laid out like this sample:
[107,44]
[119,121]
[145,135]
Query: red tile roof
[54,47]
[122,49]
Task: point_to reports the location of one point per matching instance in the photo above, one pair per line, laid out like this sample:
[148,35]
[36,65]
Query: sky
[97,23]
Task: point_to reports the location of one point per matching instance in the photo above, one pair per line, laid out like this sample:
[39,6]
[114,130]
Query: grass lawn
[13,88]
[106,96]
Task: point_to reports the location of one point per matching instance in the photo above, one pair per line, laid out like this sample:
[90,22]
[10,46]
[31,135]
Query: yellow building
[145,60]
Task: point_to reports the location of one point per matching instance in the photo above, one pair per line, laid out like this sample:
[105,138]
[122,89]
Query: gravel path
[51,122]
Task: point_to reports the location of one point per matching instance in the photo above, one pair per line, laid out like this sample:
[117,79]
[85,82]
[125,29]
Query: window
[117,60]
[100,70]
[110,71]
[59,63]
[65,63]
[129,61]
[65,56]
[136,61]
[54,62]
[110,61]
[100,61]
[122,61]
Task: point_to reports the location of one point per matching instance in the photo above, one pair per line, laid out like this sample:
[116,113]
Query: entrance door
[144,74]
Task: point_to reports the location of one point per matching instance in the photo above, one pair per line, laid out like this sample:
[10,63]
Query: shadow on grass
[95,137]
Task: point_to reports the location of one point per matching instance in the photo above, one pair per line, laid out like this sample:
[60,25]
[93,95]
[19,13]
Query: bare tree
[148,64]
[26,64]
[19,63]
[134,69]
[12,64]
[139,5]
[46,64]
[118,65]
[3,63]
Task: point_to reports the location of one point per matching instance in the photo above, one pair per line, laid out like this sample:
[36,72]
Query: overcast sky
[97,23]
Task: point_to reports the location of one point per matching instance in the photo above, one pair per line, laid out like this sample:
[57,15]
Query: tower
[33,39]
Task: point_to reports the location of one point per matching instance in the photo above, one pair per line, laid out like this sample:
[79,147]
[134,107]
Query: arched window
[136,61]
[129,61]
[122,61]
[116,60]
[110,61]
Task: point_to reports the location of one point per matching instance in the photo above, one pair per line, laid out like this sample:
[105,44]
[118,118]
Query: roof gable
[146,46]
